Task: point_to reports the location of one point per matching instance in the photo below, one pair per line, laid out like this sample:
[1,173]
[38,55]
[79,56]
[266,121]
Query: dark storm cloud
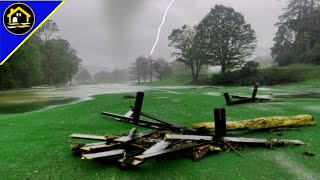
[113,32]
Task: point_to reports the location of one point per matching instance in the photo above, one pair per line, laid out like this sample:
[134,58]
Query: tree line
[117,75]
[298,37]
[42,60]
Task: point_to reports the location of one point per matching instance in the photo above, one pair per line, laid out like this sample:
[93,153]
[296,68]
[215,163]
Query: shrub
[266,77]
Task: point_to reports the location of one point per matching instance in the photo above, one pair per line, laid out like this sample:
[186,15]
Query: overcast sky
[112,33]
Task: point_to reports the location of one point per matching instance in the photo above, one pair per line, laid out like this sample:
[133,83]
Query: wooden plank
[246,97]
[98,147]
[89,137]
[159,146]
[166,151]
[245,140]
[113,153]
[160,120]
[188,137]
[117,116]
[130,136]
[125,139]
[240,97]
[130,160]
[241,101]
[262,141]
[128,114]
[94,144]
[130,121]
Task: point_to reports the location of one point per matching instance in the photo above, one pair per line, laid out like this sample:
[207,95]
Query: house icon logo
[18,18]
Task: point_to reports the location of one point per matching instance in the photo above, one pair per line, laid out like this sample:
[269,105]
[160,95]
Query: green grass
[177,80]
[307,71]
[36,145]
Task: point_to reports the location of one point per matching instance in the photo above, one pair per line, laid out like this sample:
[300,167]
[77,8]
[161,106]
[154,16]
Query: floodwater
[26,100]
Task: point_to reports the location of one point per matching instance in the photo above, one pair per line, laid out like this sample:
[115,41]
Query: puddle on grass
[213,93]
[313,95]
[27,100]
[23,107]
[162,97]
[312,108]
[32,99]
[171,92]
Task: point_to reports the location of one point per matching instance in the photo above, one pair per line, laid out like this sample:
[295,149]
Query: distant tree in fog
[144,69]
[161,68]
[139,69]
[102,76]
[47,30]
[83,75]
[151,68]
[119,75]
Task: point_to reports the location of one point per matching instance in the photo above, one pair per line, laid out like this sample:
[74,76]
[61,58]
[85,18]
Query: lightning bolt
[160,27]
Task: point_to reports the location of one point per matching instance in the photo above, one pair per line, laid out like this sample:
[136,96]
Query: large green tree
[61,62]
[41,60]
[189,49]
[226,38]
[64,62]
[24,68]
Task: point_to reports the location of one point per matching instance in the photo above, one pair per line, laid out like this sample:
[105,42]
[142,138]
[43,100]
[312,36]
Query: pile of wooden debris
[169,139]
[133,149]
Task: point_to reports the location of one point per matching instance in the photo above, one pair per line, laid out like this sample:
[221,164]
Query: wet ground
[26,100]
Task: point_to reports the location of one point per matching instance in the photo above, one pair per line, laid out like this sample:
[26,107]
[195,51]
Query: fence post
[220,122]
[137,107]
[227,98]
[254,93]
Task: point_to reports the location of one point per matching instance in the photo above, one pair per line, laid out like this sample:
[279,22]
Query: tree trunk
[150,73]
[262,123]
[194,77]
[223,68]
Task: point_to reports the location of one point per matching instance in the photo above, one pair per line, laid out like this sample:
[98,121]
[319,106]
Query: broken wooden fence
[244,99]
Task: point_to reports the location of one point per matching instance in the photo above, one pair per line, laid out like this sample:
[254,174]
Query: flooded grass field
[26,100]
[37,144]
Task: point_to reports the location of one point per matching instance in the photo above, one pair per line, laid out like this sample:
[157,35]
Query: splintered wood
[135,148]
[167,139]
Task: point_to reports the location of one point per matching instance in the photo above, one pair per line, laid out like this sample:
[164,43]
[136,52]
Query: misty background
[109,34]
